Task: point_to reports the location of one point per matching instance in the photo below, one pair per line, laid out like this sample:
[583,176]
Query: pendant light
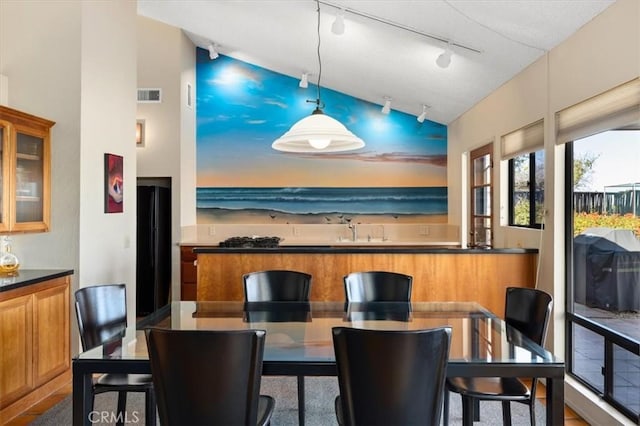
[318,132]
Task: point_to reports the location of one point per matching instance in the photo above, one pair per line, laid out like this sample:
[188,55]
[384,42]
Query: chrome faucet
[354,231]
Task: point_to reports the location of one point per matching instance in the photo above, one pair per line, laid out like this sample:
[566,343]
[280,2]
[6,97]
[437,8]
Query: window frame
[478,153]
[610,337]
[532,191]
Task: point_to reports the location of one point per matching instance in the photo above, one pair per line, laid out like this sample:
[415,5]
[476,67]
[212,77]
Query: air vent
[149,95]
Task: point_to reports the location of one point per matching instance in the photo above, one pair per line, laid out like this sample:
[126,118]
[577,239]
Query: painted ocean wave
[403,200]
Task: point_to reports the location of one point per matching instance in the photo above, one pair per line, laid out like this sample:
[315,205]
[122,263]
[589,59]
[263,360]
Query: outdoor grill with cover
[607,269]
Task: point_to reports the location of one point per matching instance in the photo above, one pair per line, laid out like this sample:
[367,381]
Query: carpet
[320,393]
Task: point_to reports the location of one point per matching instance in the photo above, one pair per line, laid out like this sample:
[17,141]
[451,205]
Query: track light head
[213,52]
[444,59]
[386,108]
[304,80]
[338,25]
[423,115]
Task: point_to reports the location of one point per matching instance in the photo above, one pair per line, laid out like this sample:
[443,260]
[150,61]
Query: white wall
[74,62]
[601,55]
[108,119]
[46,82]
[166,60]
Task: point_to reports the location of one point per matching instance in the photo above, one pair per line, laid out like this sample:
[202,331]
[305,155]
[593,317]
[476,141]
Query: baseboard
[593,409]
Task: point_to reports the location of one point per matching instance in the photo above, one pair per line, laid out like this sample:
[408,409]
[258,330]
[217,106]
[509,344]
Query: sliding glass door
[603,240]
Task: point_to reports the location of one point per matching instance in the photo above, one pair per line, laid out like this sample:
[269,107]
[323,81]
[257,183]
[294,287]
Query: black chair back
[277,312]
[390,377]
[377,286]
[206,376]
[101,311]
[277,286]
[528,310]
[378,311]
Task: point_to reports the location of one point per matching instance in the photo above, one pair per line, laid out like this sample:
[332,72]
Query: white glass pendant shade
[318,133]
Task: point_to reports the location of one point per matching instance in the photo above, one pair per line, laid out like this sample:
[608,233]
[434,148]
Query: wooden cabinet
[16,351]
[25,163]
[188,273]
[35,355]
[438,275]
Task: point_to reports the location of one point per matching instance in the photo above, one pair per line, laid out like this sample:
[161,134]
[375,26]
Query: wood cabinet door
[51,332]
[188,274]
[16,348]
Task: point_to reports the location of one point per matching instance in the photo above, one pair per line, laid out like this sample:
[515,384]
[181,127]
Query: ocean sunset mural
[400,175]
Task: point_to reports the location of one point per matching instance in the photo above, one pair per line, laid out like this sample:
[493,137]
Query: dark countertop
[25,277]
[363,249]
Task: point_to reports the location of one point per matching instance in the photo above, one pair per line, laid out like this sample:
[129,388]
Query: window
[524,149]
[604,250]
[526,190]
[481,196]
[603,244]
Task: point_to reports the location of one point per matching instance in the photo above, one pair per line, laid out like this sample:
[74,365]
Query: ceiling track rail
[437,38]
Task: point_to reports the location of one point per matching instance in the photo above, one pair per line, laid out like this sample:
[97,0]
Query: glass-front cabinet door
[29,183]
[25,172]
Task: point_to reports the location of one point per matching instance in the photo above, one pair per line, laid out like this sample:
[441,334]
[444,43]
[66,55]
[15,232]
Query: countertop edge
[26,277]
[200,249]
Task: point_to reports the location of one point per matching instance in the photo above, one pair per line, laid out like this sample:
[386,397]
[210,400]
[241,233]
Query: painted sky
[242,109]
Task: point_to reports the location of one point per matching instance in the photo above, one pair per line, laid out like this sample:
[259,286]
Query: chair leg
[476,410]
[506,413]
[532,410]
[301,400]
[150,408]
[122,408]
[467,411]
[445,408]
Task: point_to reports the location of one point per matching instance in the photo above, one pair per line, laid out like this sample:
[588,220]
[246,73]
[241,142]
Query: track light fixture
[423,115]
[444,59]
[342,10]
[304,80]
[338,25]
[213,52]
[386,108]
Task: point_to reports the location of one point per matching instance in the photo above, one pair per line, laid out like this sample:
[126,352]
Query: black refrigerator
[153,254]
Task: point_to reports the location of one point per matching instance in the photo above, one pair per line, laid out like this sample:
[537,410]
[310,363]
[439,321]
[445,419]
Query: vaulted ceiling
[389,47]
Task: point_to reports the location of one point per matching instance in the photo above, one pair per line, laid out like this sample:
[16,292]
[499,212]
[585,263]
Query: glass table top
[301,332]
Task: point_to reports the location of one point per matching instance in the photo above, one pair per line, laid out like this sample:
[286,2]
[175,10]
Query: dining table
[299,342]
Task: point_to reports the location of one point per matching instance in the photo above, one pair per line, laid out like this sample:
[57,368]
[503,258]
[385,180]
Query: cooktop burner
[250,242]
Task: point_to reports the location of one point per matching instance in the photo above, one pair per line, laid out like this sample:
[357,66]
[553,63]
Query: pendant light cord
[318,101]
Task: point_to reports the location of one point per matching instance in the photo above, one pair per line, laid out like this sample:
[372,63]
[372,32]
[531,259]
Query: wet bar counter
[439,273]
[35,356]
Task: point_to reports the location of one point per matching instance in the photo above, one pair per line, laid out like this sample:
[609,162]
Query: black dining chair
[280,286]
[209,377]
[528,311]
[377,286]
[277,286]
[101,312]
[389,377]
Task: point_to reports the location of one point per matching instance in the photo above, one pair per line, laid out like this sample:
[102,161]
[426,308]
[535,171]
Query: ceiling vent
[149,95]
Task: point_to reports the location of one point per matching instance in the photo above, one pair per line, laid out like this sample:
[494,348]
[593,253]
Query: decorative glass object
[9,262]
